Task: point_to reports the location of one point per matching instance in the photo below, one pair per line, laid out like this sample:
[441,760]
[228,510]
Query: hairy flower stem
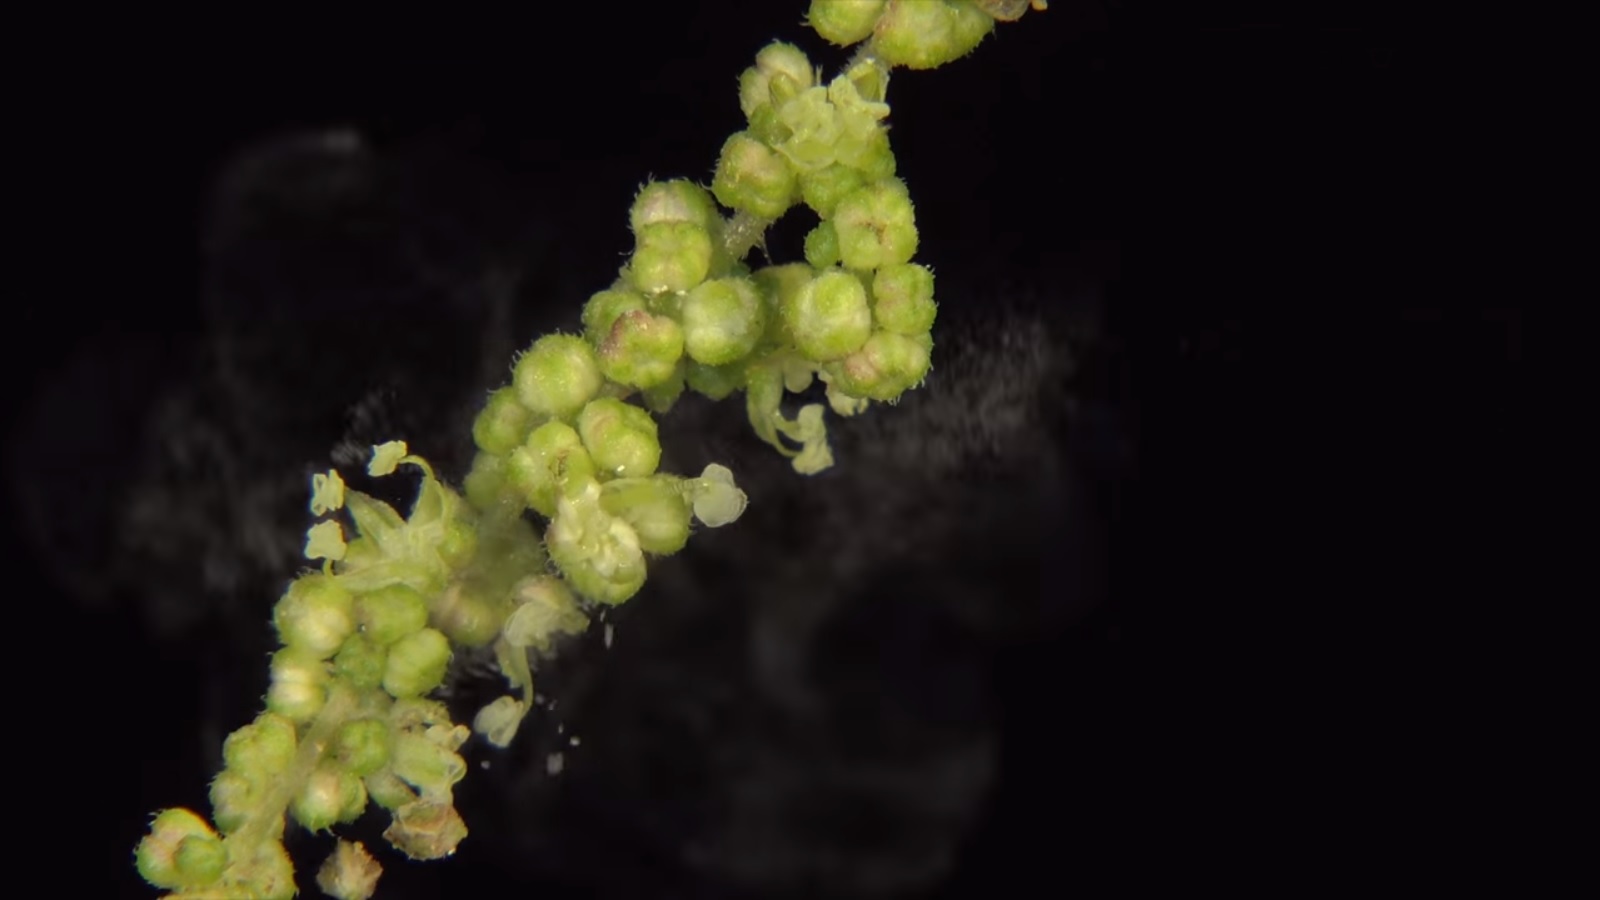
[341,703]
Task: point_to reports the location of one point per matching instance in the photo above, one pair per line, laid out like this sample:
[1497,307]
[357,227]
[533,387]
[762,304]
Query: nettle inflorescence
[570,445]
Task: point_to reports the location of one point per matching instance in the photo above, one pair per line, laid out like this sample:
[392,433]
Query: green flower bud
[844,22]
[822,246]
[390,613]
[641,350]
[329,796]
[469,612]
[753,178]
[485,485]
[716,382]
[824,188]
[361,661]
[557,376]
[553,456]
[886,366]
[314,615]
[425,765]
[876,226]
[545,608]
[677,200]
[299,685]
[829,318]
[670,256]
[362,746]
[234,796]
[417,663]
[902,299]
[929,33]
[180,851]
[503,424]
[200,860]
[602,311]
[598,553]
[620,438]
[722,321]
[263,748]
[654,508]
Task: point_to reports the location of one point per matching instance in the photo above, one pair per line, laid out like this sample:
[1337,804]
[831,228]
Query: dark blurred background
[287,238]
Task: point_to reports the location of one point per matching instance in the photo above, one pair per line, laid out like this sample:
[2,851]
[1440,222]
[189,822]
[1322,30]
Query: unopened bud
[389,613]
[670,256]
[886,366]
[314,615]
[503,424]
[844,22]
[902,299]
[553,457]
[677,200]
[361,662]
[299,685]
[877,226]
[929,33]
[641,349]
[416,664]
[330,795]
[829,318]
[824,188]
[557,376]
[722,321]
[822,246]
[180,851]
[620,437]
[263,748]
[362,746]
[604,308]
[754,178]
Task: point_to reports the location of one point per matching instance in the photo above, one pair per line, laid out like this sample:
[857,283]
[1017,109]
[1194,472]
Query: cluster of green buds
[364,640]
[687,313]
[564,504]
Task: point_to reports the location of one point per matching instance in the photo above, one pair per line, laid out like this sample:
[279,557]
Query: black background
[498,155]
